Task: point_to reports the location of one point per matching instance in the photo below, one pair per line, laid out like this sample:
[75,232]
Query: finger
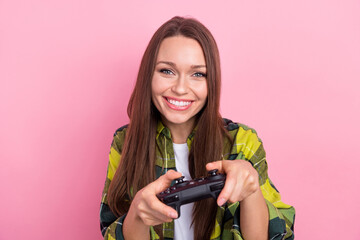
[215,165]
[165,212]
[161,210]
[165,180]
[227,191]
[152,216]
[171,175]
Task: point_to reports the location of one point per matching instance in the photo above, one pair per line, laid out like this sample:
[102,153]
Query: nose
[180,85]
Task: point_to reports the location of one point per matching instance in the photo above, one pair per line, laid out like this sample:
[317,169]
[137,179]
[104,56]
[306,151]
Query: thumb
[165,180]
[215,165]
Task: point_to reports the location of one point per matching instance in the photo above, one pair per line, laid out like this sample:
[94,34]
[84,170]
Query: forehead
[181,50]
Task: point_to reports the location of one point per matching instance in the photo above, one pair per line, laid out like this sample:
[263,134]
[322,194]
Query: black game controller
[184,192]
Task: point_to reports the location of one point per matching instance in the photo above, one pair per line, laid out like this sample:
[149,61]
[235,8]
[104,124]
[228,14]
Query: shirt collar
[162,129]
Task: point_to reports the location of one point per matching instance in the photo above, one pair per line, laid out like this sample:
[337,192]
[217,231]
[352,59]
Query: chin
[177,120]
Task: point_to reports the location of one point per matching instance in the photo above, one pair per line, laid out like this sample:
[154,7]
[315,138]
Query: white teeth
[178,103]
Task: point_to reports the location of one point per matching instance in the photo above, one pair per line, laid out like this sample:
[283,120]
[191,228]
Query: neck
[180,132]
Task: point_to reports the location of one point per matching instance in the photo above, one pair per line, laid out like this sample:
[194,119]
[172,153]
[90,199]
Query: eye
[166,71]
[199,74]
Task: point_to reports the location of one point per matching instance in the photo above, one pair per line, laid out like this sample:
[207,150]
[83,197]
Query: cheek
[155,85]
[155,98]
[153,92]
[157,90]
[160,86]
[203,92]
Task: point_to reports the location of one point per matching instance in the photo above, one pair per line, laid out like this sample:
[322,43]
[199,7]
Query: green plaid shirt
[246,146]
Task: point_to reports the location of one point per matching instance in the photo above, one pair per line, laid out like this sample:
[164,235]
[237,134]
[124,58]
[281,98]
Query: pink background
[292,69]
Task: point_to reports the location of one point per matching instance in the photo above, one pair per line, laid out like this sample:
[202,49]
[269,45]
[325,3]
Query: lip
[175,107]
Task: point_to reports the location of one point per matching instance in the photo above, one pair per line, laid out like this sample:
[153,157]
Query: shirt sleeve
[248,146]
[110,224]
[281,215]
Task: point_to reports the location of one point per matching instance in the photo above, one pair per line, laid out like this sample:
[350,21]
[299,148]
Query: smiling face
[179,88]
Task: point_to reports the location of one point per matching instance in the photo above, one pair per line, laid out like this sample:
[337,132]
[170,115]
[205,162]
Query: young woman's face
[179,88]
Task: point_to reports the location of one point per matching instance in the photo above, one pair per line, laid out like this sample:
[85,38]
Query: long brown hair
[137,167]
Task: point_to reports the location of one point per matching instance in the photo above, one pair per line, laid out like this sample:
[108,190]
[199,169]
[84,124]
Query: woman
[176,129]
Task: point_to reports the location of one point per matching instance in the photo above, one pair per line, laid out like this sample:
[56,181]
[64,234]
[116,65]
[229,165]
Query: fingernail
[221,201]
[173,215]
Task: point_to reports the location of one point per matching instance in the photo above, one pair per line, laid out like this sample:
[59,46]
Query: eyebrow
[174,65]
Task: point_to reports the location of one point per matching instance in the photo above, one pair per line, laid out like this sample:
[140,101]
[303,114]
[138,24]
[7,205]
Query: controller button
[213,172]
[179,180]
[173,188]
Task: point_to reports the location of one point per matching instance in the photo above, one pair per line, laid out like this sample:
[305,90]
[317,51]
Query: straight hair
[137,166]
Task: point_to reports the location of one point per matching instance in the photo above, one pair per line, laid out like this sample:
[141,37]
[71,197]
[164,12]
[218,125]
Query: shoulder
[121,130]
[235,129]
[245,142]
[119,138]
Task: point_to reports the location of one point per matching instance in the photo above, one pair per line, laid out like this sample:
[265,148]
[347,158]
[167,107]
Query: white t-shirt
[182,229]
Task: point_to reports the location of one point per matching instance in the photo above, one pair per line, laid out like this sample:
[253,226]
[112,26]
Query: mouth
[178,104]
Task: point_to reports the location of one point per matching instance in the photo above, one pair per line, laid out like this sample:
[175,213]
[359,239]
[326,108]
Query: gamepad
[183,192]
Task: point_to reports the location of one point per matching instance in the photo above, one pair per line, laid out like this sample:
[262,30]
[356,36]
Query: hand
[242,180]
[148,208]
